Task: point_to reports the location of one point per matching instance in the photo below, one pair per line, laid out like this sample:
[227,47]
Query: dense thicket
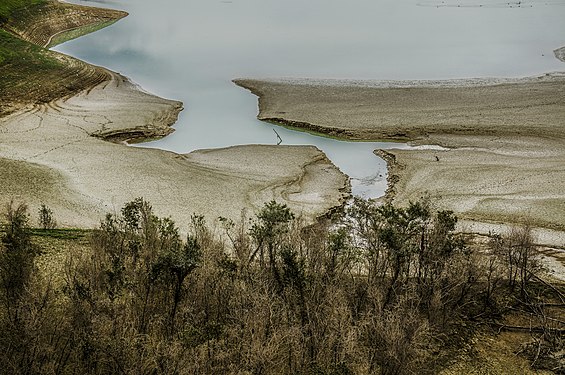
[384,292]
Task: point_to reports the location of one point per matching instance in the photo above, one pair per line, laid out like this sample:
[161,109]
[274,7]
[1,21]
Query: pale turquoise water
[190,50]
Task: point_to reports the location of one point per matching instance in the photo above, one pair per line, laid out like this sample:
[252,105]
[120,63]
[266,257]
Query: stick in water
[279,137]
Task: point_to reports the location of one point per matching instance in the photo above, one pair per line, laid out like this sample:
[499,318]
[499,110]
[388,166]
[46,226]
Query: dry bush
[372,295]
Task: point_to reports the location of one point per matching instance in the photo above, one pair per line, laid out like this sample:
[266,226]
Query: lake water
[190,50]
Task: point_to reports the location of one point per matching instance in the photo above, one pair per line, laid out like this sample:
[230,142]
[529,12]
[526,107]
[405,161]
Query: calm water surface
[190,50]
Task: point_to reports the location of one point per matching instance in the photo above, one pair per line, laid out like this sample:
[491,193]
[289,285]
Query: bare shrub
[46,219]
[375,295]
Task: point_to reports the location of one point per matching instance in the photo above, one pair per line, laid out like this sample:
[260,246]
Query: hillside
[32,74]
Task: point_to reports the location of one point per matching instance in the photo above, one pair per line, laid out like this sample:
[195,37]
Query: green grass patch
[78,32]
[7,7]
[31,74]
[22,60]
[14,50]
[63,234]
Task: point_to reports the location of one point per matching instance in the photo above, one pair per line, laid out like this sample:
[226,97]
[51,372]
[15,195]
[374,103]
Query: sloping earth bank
[33,75]
[41,23]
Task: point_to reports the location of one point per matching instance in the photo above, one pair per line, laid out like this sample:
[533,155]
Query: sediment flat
[410,110]
[504,139]
[59,155]
[64,124]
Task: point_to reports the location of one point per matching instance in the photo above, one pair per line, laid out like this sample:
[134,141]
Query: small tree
[517,250]
[272,223]
[173,266]
[46,220]
[17,254]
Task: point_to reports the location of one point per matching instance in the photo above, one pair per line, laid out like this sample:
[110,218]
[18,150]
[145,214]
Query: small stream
[190,50]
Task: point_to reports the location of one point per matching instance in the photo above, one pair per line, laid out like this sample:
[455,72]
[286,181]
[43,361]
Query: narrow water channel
[190,50]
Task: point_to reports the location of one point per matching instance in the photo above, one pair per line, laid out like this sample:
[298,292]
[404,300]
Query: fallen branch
[559,293]
[504,327]
[278,137]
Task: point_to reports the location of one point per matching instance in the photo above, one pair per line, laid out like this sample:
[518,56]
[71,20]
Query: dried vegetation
[388,291]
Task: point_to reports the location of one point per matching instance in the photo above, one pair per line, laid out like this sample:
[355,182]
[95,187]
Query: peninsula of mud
[504,139]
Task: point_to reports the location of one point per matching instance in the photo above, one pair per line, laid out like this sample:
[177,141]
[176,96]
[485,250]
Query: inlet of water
[190,50]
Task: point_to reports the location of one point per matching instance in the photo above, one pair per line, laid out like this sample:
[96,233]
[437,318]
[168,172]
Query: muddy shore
[504,161]
[66,149]
[57,154]
[412,110]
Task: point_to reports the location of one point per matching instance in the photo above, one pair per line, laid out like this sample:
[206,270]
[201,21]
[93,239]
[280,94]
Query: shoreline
[70,151]
[160,127]
[379,110]
[35,75]
[503,138]
[91,176]
[156,121]
[407,83]
[40,24]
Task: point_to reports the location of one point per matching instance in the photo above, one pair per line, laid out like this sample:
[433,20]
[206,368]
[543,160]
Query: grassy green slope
[7,7]
[15,51]
[31,74]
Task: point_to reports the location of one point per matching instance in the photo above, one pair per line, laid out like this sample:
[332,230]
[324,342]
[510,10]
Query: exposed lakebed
[191,50]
